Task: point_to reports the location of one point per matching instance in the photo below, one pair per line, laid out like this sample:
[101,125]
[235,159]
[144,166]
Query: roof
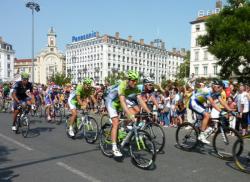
[23,60]
[199,19]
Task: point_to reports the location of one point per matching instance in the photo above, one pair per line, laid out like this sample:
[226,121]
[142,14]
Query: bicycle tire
[144,144]
[222,149]
[25,126]
[58,116]
[157,134]
[190,140]
[105,140]
[90,130]
[241,154]
[17,124]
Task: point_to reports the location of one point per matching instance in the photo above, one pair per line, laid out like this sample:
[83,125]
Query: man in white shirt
[243,109]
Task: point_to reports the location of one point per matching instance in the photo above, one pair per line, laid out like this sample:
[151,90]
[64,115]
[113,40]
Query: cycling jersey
[112,101]
[21,89]
[50,95]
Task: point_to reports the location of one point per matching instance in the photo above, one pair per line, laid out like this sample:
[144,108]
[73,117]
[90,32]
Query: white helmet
[148,80]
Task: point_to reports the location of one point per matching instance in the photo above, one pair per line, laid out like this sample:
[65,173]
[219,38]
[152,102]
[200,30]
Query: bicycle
[36,110]
[241,153]
[223,148]
[23,121]
[87,124]
[6,105]
[141,147]
[55,113]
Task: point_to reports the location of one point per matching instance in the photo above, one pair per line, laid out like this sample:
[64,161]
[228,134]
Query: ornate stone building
[49,61]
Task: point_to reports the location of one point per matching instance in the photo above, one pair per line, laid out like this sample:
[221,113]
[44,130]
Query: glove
[223,113]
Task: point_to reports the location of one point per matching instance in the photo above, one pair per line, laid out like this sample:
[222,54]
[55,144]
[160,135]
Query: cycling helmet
[25,75]
[218,82]
[87,81]
[133,75]
[148,80]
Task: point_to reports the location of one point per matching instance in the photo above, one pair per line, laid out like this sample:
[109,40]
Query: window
[8,65]
[205,55]
[196,42]
[8,56]
[197,28]
[196,70]
[205,70]
[8,73]
[215,69]
[196,57]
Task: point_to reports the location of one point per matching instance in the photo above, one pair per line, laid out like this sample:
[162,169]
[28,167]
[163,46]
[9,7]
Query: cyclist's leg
[15,113]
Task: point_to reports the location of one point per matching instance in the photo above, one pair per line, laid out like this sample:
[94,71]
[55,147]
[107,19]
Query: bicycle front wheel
[105,140]
[223,142]
[142,150]
[25,126]
[186,136]
[157,134]
[90,130]
[241,154]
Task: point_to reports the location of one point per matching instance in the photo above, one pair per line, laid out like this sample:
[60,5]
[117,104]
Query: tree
[184,67]
[114,77]
[228,38]
[60,79]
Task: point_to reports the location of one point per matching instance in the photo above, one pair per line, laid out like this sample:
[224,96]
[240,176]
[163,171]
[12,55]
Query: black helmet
[218,82]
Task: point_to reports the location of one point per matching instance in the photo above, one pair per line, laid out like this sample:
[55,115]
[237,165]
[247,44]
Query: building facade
[7,56]
[202,63]
[96,56]
[49,61]
[22,65]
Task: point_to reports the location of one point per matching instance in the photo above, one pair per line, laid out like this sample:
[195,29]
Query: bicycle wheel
[223,142]
[105,140]
[58,116]
[241,154]
[105,119]
[142,150]
[39,111]
[25,126]
[17,124]
[186,136]
[157,134]
[90,130]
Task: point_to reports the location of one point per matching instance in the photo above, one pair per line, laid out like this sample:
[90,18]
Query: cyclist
[199,98]
[122,97]
[51,97]
[20,95]
[77,100]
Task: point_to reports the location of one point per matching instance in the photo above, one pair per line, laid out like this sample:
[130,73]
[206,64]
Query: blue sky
[148,19]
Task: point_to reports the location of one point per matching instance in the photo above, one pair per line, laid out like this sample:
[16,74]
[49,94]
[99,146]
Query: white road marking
[16,142]
[77,172]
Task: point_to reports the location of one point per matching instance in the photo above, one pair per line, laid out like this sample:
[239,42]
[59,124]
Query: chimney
[105,38]
[97,34]
[174,50]
[162,45]
[152,44]
[219,4]
[1,39]
[142,41]
[130,38]
[117,35]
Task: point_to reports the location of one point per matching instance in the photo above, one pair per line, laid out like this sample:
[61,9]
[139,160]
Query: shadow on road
[35,132]
[6,174]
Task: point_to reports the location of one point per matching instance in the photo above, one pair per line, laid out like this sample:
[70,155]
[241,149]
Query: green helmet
[87,81]
[25,75]
[133,75]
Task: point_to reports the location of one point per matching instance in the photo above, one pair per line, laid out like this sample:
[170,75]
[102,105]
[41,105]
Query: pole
[33,79]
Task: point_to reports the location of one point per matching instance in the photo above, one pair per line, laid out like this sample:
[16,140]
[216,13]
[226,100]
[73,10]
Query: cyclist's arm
[154,101]
[213,104]
[93,99]
[14,96]
[79,100]
[143,104]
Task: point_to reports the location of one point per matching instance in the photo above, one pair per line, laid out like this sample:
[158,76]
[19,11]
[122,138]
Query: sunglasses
[134,80]
[150,85]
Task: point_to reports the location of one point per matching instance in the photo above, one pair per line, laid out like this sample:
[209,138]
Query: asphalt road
[49,155]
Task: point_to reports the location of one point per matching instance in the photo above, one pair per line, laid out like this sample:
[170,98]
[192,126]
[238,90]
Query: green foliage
[114,77]
[60,79]
[184,67]
[228,38]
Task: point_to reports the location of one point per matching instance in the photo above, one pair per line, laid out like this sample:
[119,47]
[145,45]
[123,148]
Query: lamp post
[33,6]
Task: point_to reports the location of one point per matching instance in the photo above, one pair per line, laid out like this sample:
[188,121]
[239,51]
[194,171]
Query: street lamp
[33,6]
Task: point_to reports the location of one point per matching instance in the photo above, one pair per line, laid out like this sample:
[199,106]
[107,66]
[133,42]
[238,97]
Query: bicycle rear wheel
[142,150]
[25,126]
[241,154]
[105,140]
[157,134]
[90,130]
[186,136]
[223,142]
[58,116]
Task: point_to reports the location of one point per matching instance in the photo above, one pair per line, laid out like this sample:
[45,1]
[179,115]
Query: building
[202,63]
[22,65]
[96,56]
[7,55]
[49,61]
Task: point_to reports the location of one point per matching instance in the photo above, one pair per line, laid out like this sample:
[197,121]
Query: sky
[168,20]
